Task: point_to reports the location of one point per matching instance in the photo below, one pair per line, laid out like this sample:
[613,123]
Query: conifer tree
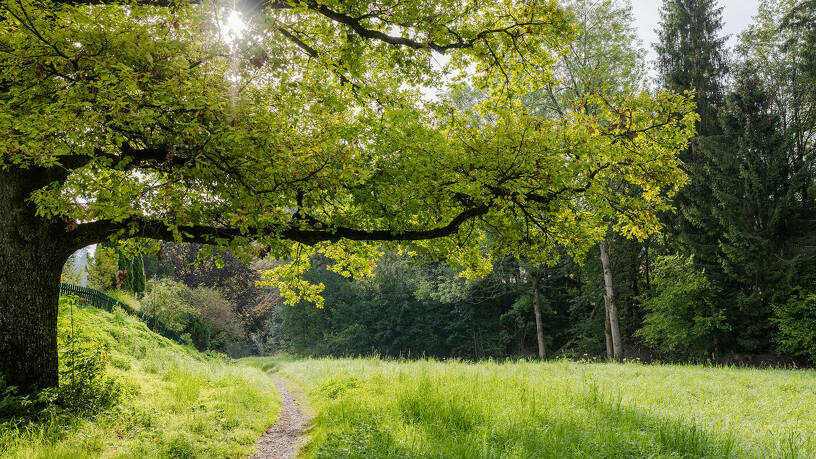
[138,280]
[692,57]
[751,179]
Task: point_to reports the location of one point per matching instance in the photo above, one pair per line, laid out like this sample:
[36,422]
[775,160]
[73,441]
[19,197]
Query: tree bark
[32,253]
[609,301]
[607,332]
[542,350]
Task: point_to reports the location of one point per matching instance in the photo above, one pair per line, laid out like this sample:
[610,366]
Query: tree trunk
[609,301]
[32,252]
[542,351]
[607,332]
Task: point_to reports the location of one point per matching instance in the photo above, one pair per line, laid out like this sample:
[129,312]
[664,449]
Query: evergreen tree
[125,271]
[138,280]
[751,180]
[132,271]
[101,268]
[691,57]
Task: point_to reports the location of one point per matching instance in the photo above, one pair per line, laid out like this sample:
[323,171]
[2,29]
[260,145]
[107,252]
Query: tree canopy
[313,126]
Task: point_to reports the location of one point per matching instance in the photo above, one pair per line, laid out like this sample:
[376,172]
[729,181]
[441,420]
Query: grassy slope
[177,403]
[368,407]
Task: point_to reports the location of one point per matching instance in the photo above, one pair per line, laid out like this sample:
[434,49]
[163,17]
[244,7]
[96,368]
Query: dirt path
[284,439]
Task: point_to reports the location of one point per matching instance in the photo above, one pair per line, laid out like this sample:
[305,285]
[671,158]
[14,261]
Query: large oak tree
[311,130]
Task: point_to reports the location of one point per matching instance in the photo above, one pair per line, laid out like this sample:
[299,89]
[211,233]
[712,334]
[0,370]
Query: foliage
[223,270]
[691,56]
[390,314]
[796,320]
[83,358]
[682,319]
[165,301]
[71,272]
[172,399]
[216,314]
[137,283]
[102,268]
[160,108]
[754,184]
[126,298]
[556,409]
[201,314]
[241,307]
[410,309]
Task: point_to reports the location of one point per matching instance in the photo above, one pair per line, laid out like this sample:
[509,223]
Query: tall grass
[375,408]
[177,403]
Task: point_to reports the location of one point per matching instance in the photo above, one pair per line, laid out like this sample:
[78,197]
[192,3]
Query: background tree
[754,189]
[606,58]
[133,269]
[691,56]
[72,270]
[222,270]
[102,267]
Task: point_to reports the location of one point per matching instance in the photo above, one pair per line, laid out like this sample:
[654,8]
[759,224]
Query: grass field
[375,408]
[176,401]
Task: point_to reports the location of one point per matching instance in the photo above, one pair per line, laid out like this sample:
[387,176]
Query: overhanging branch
[94,232]
[356,24]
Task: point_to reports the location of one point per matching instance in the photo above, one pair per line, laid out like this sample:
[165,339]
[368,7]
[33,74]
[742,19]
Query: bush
[165,301]
[796,320]
[683,319]
[83,385]
[123,296]
[198,332]
[201,315]
[11,404]
[217,315]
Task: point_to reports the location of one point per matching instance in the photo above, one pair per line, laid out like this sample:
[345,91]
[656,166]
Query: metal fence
[99,300]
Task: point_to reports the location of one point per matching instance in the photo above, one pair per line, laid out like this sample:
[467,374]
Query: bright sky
[737,16]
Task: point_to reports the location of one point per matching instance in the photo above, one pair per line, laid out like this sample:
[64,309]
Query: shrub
[683,319]
[165,301]
[123,296]
[198,332]
[83,384]
[796,320]
[217,315]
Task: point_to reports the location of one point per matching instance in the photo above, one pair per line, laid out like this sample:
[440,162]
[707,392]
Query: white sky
[737,16]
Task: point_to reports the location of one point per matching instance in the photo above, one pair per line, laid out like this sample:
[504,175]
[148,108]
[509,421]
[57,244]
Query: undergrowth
[127,392]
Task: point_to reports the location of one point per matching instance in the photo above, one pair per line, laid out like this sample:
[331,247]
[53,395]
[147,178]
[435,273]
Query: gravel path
[284,439]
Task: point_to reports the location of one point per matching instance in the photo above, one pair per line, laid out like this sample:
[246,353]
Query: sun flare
[232,26]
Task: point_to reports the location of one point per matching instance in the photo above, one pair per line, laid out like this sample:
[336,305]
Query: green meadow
[453,409]
[173,401]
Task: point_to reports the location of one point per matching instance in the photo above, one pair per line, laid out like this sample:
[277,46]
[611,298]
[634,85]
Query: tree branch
[94,232]
[355,23]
